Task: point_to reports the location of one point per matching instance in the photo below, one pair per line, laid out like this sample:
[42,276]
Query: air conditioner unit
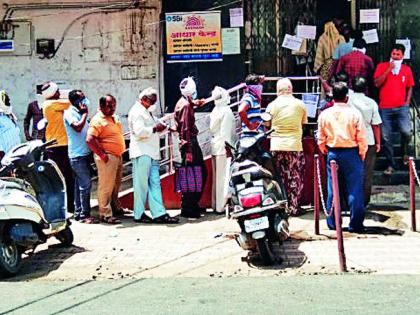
[7,45]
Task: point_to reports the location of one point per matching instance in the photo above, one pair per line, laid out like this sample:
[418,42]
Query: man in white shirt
[145,155]
[372,120]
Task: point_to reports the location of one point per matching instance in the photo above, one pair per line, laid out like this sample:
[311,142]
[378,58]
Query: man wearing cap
[145,154]
[53,109]
[190,149]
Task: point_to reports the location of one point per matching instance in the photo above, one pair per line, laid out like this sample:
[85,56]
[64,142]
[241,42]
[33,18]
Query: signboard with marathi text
[193,36]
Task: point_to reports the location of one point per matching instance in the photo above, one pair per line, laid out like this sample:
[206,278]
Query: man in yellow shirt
[105,138]
[288,115]
[342,137]
[53,109]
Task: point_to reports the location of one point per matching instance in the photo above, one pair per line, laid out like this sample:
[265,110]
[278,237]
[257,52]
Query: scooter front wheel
[65,236]
[10,258]
[265,249]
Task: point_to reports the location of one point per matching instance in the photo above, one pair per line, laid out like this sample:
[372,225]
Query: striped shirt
[9,133]
[254,111]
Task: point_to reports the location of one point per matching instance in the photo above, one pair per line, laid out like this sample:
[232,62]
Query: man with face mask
[342,137]
[75,122]
[105,137]
[250,107]
[395,82]
[190,149]
[223,129]
[9,130]
[145,155]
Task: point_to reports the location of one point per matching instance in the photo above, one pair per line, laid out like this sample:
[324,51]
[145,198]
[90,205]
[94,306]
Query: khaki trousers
[109,182]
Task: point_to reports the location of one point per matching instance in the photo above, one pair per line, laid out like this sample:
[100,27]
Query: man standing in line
[105,138]
[370,113]
[395,82]
[53,109]
[342,137]
[190,149]
[75,121]
[145,154]
[34,113]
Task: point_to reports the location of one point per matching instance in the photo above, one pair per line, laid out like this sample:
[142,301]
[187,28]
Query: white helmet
[188,87]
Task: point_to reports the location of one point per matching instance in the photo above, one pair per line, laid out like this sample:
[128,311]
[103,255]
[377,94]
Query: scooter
[32,204]
[258,198]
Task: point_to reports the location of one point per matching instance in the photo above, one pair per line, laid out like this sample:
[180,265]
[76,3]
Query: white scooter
[32,204]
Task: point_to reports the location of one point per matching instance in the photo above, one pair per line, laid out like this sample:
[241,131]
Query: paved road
[340,294]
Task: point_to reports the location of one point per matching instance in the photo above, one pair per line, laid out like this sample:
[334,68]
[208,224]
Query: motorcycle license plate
[256,224]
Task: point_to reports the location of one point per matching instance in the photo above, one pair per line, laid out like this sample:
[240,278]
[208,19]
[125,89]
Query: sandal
[143,219]
[110,220]
[166,219]
[89,220]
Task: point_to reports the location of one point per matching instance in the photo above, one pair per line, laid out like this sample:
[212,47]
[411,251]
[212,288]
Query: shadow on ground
[43,262]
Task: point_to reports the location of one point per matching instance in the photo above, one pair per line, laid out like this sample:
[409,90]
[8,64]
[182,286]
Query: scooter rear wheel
[65,236]
[10,258]
[265,249]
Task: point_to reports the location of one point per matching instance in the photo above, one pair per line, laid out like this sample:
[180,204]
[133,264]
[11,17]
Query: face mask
[194,95]
[86,102]
[152,108]
[397,66]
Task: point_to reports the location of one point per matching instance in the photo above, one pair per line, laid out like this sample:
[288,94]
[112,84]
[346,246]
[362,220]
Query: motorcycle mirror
[41,124]
[266,117]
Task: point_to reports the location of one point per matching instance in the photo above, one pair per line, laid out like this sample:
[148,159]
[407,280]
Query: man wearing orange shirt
[342,137]
[105,138]
[53,109]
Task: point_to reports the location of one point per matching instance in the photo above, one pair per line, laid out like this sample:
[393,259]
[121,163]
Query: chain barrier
[321,192]
[413,164]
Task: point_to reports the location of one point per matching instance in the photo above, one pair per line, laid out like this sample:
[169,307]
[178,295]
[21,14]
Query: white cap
[147,92]
[49,89]
[222,97]
[188,87]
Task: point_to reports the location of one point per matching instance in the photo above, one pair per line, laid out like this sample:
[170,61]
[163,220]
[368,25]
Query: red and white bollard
[316,194]
[412,194]
[337,216]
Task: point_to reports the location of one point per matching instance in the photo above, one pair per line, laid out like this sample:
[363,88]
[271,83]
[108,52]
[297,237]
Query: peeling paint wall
[114,52]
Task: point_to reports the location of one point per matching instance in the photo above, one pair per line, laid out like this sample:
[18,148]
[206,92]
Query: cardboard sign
[371,36]
[193,36]
[369,16]
[306,31]
[292,42]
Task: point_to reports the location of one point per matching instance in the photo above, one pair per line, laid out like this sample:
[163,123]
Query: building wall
[115,52]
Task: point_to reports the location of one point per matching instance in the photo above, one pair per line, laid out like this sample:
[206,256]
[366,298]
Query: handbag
[188,179]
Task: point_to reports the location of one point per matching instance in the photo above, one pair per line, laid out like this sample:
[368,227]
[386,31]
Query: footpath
[206,248]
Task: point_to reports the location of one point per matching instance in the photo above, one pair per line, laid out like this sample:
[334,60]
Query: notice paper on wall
[407,43]
[292,42]
[306,31]
[371,36]
[231,41]
[236,17]
[369,16]
[311,104]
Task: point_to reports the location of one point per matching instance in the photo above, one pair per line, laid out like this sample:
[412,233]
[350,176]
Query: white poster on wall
[306,31]
[371,36]
[231,41]
[292,42]
[407,43]
[236,17]
[369,16]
